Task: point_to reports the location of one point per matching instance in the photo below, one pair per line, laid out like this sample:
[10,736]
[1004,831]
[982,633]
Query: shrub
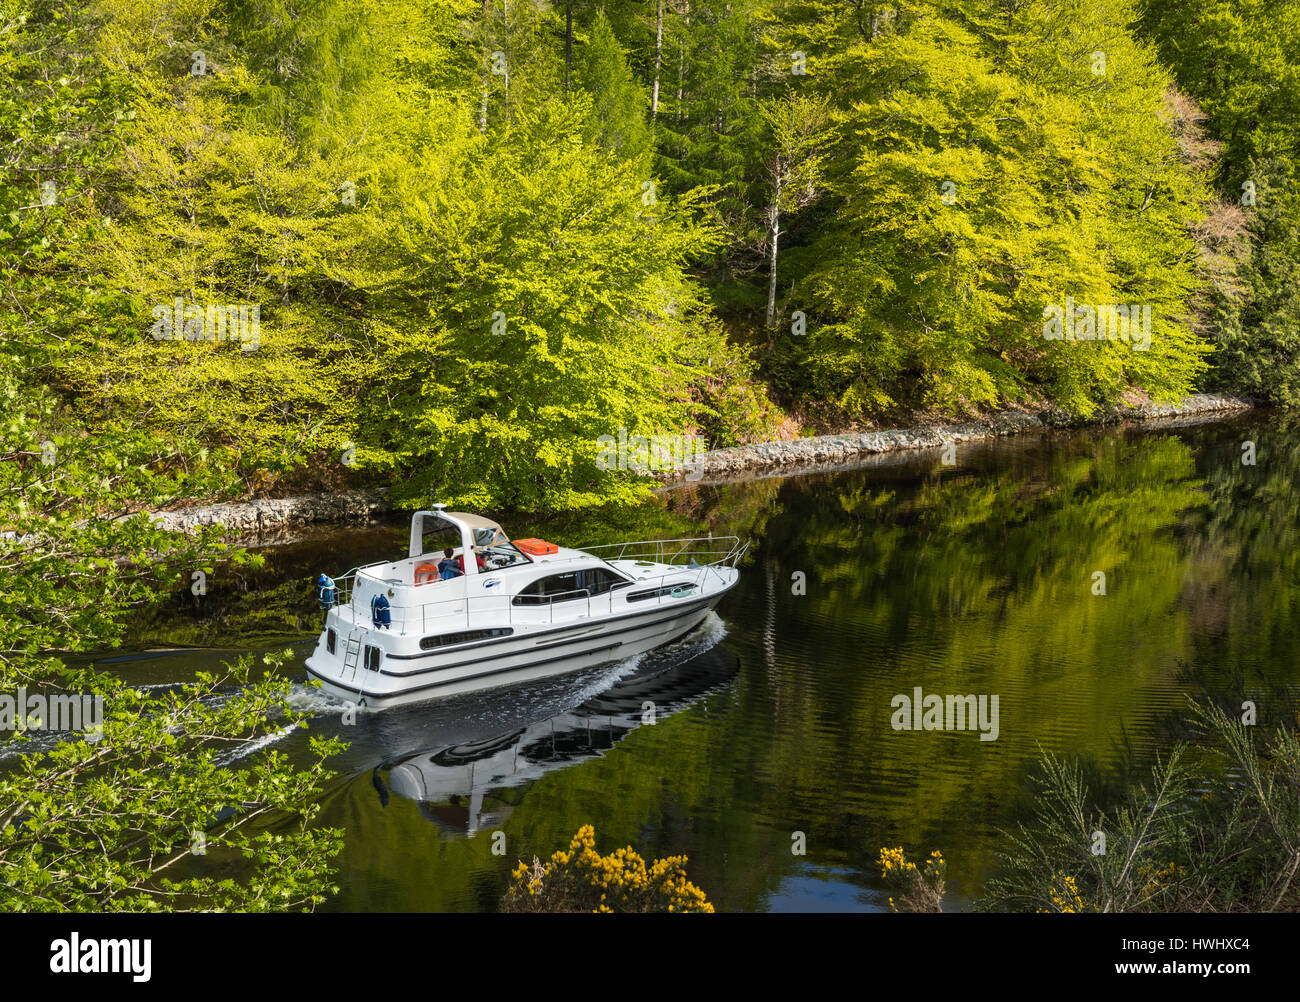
[1215,829]
[582,880]
[919,888]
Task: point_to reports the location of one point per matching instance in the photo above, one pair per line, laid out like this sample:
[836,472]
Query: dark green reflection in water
[974,579]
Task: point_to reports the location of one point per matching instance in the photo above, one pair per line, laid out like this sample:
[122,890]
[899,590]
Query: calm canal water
[775,717]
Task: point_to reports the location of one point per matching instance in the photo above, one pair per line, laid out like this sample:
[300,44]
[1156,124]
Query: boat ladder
[352,652]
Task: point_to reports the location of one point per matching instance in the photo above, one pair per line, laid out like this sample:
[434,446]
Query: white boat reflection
[463,788]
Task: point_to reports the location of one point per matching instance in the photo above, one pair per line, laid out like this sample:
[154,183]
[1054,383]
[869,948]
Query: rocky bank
[271,518]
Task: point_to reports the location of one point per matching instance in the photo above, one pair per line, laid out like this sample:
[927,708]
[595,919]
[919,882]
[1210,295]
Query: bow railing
[725,550]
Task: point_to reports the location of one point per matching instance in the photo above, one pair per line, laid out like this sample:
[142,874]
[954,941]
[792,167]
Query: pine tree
[619,102]
[1241,61]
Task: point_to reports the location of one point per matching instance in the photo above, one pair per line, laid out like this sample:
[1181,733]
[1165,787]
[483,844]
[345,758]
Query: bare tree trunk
[681,61]
[568,46]
[659,52]
[505,31]
[487,74]
[775,214]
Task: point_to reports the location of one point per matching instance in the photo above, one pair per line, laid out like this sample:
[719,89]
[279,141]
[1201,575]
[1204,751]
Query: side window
[331,641]
[598,580]
[372,658]
[555,588]
[464,637]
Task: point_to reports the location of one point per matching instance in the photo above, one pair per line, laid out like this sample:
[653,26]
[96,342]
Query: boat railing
[425,618]
[683,551]
[725,551]
[342,588]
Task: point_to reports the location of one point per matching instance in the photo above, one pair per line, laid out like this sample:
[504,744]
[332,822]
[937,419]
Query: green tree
[618,120]
[989,164]
[1241,61]
[108,819]
[550,306]
[793,168]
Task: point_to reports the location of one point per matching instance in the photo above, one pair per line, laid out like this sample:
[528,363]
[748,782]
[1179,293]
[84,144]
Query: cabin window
[436,534]
[569,586]
[555,588]
[464,637]
[372,658]
[331,640]
[598,580]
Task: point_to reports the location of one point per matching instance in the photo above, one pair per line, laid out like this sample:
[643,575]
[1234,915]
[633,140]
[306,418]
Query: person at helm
[449,566]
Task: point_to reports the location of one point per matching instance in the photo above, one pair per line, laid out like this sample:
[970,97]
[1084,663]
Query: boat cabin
[434,532]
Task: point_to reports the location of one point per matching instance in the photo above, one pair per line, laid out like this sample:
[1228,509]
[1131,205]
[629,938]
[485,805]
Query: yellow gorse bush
[922,886]
[893,861]
[1065,896]
[581,879]
[1157,879]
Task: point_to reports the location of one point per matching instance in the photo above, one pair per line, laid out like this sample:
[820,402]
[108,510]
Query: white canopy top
[472,528]
[473,521]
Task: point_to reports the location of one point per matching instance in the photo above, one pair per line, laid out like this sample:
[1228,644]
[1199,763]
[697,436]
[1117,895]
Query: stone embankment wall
[275,517]
[830,450]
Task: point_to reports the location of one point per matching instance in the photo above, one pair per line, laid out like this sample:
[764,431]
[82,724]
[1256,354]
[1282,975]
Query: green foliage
[391,188]
[141,814]
[557,311]
[308,57]
[1258,334]
[93,823]
[710,136]
[518,66]
[1241,61]
[391,185]
[1212,830]
[618,117]
[382,241]
[1060,182]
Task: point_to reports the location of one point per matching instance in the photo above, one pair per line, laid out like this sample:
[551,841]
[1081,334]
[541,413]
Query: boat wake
[257,745]
[473,711]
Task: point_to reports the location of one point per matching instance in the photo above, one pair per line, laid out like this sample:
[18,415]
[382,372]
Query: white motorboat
[470,609]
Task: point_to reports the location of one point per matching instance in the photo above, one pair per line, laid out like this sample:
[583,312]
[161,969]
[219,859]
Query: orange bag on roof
[536,547]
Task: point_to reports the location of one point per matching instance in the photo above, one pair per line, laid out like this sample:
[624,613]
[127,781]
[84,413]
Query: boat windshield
[485,537]
[496,550]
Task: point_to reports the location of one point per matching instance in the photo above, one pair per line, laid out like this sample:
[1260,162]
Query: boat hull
[523,659]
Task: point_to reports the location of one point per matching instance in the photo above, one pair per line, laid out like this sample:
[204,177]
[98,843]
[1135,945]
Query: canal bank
[266,519]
